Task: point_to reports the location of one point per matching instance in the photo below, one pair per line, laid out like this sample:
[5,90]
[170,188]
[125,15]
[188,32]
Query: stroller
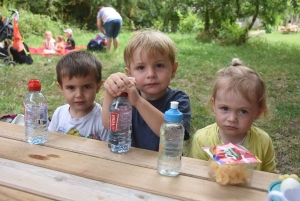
[8,53]
[6,34]
[98,43]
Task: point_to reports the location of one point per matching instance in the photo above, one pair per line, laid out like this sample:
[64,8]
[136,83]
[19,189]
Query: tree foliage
[216,16]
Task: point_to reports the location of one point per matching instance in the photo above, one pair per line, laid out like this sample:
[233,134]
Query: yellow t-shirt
[257,141]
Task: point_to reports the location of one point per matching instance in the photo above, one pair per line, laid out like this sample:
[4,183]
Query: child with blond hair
[150,59]
[49,42]
[238,99]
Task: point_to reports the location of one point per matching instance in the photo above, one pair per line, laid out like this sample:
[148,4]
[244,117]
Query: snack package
[231,164]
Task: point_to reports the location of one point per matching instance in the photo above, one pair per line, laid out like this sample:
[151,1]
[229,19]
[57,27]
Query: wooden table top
[74,168]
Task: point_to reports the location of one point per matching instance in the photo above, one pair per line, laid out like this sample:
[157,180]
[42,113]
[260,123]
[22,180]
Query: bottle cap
[34,85]
[173,114]
[124,94]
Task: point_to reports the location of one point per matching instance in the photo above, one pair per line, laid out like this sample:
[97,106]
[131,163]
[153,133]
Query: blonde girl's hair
[48,32]
[150,41]
[239,79]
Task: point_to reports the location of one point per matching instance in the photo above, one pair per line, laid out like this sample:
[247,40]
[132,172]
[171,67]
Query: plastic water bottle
[120,114]
[171,142]
[35,114]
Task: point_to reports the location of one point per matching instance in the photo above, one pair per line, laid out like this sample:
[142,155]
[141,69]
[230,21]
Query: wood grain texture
[121,174]
[139,157]
[10,194]
[60,186]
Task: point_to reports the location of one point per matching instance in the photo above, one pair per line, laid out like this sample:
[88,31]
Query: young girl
[238,99]
[49,42]
[60,45]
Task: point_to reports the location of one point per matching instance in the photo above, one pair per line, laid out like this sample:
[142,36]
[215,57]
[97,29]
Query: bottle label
[113,121]
[36,114]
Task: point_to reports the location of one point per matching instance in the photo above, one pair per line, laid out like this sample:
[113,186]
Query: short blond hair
[150,41]
[48,32]
[243,80]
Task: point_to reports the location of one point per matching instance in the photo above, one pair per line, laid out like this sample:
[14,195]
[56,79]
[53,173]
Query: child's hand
[117,83]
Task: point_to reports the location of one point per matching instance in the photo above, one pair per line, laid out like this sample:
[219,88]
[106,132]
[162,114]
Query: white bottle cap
[174,105]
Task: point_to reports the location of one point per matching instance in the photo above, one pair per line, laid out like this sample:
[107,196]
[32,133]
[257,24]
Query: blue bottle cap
[173,114]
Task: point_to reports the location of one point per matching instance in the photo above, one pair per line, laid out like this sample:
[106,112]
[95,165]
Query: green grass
[282,38]
[277,63]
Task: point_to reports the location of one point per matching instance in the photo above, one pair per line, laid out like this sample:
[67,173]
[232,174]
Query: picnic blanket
[40,51]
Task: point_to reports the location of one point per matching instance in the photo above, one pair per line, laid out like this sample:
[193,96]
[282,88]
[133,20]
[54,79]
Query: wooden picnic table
[73,168]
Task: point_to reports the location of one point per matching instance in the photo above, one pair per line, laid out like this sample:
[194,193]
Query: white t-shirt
[89,126]
[108,14]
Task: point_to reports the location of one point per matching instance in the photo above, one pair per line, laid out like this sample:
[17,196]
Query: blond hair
[48,32]
[239,79]
[150,41]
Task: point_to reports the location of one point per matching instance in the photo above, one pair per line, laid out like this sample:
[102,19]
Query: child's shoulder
[176,92]
[177,95]
[62,108]
[209,131]
[258,133]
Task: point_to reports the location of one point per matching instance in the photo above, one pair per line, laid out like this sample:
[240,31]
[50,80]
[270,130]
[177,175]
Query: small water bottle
[35,114]
[171,142]
[120,121]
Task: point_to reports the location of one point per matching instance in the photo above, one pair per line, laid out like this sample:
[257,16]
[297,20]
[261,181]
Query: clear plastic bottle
[171,142]
[35,114]
[120,121]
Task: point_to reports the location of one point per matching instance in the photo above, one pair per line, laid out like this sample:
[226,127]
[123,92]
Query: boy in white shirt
[79,76]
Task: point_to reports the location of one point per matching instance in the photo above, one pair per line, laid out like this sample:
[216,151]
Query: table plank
[9,194]
[139,157]
[53,184]
[134,177]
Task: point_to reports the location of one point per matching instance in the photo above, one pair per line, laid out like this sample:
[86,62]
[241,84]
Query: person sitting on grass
[60,45]
[238,99]
[70,41]
[49,42]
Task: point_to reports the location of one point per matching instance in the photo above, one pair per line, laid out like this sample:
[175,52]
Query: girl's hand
[117,83]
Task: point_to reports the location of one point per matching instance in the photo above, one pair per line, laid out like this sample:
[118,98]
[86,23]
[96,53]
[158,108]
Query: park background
[207,36]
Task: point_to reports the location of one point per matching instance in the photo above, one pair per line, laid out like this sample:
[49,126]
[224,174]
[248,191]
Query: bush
[232,33]
[189,23]
[268,28]
[35,24]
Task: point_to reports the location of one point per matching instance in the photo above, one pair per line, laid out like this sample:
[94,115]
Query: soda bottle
[35,114]
[171,142]
[120,121]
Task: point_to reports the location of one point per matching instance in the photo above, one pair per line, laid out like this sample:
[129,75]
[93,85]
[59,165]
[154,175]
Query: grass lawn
[281,38]
[277,63]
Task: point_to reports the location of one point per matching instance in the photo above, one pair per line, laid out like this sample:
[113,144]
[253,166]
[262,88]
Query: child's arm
[269,164]
[151,115]
[118,83]
[44,44]
[114,85]
[99,25]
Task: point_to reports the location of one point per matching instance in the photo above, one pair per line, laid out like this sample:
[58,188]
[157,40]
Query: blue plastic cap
[173,114]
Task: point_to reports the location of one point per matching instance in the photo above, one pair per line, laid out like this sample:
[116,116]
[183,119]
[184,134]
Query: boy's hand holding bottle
[117,83]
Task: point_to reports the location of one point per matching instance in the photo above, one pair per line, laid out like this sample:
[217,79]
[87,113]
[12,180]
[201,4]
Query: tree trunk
[206,21]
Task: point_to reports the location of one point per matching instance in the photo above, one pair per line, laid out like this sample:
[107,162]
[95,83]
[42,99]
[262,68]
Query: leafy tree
[219,15]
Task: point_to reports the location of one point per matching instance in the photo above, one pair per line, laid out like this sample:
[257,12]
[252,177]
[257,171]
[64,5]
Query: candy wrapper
[231,164]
